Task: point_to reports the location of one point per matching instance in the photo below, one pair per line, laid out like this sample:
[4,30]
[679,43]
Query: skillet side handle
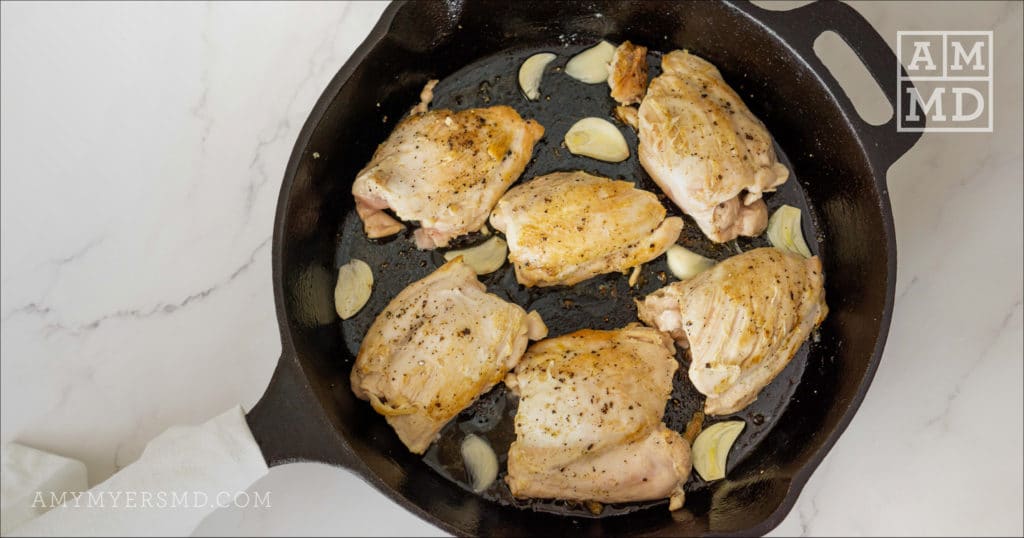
[289,423]
[885,68]
[886,144]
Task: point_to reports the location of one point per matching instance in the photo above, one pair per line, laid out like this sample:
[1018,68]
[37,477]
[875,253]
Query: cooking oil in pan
[603,302]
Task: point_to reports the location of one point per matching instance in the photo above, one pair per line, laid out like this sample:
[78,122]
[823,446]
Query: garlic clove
[684,263]
[531,72]
[785,233]
[355,284]
[480,460]
[712,446]
[591,65]
[597,138]
[485,258]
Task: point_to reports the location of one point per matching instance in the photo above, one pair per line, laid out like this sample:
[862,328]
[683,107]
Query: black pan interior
[466,45]
[606,302]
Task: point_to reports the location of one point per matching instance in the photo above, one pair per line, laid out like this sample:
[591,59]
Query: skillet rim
[876,159]
[290,359]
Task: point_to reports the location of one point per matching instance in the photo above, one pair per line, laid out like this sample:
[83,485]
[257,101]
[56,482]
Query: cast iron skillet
[309,412]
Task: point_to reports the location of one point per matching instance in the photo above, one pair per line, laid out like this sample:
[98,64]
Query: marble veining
[142,149]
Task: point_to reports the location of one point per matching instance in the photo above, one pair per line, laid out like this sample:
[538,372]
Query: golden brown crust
[445,170]
[629,116]
[765,301]
[565,227]
[438,345]
[627,74]
[589,423]
[707,151]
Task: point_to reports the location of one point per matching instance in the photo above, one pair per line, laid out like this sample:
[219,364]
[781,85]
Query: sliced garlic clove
[711,448]
[355,283]
[685,263]
[480,460]
[485,258]
[597,138]
[785,233]
[591,65]
[531,72]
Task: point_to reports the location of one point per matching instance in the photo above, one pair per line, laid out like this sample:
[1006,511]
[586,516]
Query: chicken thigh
[627,73]
[588,426]
[706,150]
[566,227]
[440,343]
[444,170]
[743,320]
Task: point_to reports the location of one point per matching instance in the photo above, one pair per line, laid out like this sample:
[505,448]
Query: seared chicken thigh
[743,319]
[706,150]
[627,73]
[566,227]
[444,170]
[440,343]
[589,427]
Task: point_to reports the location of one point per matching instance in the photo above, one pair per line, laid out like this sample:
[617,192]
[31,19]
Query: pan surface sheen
[604,302]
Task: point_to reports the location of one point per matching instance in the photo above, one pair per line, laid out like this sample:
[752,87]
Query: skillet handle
[289,423]
[885,144]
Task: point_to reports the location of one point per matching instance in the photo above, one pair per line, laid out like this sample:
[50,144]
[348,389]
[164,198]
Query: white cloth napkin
[30,476]
[184,474]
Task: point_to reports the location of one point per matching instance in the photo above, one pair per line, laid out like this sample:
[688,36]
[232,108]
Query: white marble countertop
[142,149]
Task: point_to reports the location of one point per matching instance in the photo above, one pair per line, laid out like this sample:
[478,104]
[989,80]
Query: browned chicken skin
[440,343]
[588,426]
[707,151]
[566,227]
[743,320]
[629,116]
[627,73]
[444,170]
